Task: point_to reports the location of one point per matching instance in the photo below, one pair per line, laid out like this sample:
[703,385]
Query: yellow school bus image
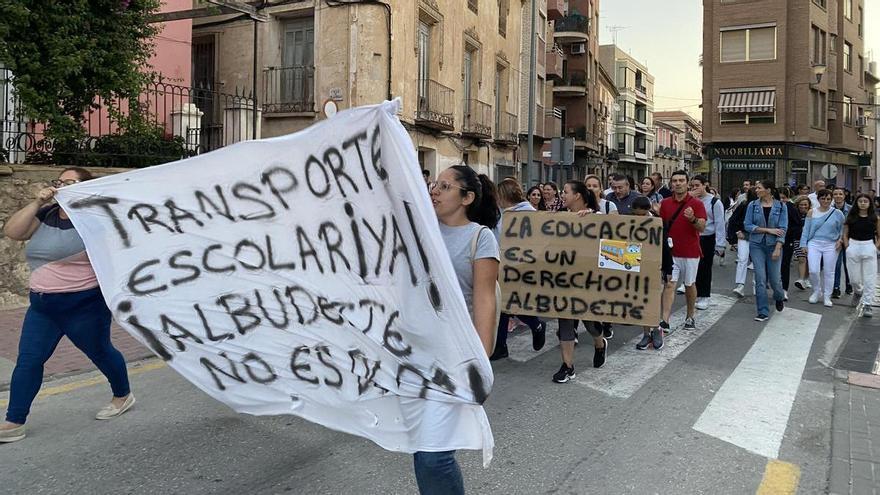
[621,252]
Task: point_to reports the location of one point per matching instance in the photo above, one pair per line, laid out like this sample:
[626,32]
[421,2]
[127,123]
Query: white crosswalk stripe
[752,407]
[627,369]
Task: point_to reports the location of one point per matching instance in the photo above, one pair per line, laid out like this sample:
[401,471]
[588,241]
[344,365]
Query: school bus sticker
[620,255]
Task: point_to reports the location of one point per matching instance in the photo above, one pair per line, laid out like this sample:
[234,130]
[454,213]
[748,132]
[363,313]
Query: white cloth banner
[302,275]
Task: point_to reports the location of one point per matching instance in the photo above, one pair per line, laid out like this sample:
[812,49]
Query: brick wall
[18,186]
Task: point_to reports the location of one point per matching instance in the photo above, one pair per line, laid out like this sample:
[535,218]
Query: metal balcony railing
[476,119]
[574,22]
[505,128]
[435,105]
[289,89]
[573,78]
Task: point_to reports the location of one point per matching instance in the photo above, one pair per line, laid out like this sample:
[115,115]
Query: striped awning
[747,101]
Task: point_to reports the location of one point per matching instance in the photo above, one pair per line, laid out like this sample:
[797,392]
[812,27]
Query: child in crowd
[653,335]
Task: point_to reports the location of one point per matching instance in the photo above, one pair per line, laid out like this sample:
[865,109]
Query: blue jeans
[766,266]
[437,473]
[85,319]
[841,256]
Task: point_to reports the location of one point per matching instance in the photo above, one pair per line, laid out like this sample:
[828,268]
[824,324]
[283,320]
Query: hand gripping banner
[302,275]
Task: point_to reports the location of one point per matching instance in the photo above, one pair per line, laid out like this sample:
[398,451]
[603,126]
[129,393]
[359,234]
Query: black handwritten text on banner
[597,267]
[297,275]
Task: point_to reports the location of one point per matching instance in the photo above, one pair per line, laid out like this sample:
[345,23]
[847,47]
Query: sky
[667,37]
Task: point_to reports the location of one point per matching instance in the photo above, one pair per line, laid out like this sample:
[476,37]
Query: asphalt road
[707,414]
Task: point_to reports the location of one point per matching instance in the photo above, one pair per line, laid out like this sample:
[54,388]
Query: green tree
[70,55]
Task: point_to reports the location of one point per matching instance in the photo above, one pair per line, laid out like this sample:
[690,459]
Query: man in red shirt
[684,218]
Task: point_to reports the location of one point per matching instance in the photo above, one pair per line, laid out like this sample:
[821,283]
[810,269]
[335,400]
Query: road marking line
[752,407]
[628,369]
[780,478]
[88,382]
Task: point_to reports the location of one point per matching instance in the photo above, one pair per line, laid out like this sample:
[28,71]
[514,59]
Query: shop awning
[747,101]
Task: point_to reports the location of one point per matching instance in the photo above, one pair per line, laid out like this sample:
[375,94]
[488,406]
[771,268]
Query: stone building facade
[454,64]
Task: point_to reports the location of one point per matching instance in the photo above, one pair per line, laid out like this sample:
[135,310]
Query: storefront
[785,164]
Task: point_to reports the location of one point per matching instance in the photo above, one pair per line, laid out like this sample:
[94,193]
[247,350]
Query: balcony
[581,137]
[289,89]
[505,128]
[435,106]
[555,9]
[476,119]
[553,62]
[552,125]
[571,29]
[572,84]
[641,92]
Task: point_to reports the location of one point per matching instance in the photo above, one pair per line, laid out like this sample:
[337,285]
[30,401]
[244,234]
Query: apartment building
[668,149]
[691,150]
[608,95]
[634,130]
[572,64]
[784,91]
[454,64]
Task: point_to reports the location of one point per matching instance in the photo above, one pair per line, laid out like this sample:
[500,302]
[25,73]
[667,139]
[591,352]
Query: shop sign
[734,165]
[769,151]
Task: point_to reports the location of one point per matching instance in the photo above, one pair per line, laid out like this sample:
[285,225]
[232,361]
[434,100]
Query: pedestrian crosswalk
[628,369]
[751,409]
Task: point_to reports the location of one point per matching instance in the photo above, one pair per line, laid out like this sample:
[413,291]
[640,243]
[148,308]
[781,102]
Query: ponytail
[484,209]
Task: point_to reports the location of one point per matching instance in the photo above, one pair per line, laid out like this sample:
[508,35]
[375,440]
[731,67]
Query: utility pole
[531,109]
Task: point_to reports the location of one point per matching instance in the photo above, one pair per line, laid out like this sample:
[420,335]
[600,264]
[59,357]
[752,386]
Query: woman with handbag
[821,240]
[467,211]
[766,222]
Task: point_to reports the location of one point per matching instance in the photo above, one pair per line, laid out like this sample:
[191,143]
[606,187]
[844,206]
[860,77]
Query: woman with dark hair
[803,205]
[792,236]
[64,300]
[510,199]
[861,242]
[551,197]
[766,222]
[649,190]
[821,242]
[594,184]
[467,212]
[583,201]
[536,198]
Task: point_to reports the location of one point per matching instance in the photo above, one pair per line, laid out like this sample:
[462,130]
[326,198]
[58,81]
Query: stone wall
[18,186]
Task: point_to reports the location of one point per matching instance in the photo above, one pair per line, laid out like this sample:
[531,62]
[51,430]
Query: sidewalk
[855,435]
[67,358]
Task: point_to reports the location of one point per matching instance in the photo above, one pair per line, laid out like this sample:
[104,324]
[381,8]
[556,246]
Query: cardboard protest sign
[597,268]
[300,275]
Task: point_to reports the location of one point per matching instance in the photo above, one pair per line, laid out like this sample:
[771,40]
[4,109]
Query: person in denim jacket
[766,222]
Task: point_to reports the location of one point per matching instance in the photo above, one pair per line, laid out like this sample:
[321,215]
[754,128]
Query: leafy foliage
[70,55]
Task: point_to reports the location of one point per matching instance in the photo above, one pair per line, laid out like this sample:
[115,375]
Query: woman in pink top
[65,300]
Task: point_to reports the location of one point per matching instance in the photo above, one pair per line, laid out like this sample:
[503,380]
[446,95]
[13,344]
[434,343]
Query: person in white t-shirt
[594,184]
[817,186]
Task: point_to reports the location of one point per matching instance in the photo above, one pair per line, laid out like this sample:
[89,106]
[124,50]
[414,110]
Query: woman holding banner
[467,212]
[64,300]
[583,201]
[510,198]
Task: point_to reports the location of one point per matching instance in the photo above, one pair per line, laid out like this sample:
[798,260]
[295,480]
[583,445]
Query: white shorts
[685,270]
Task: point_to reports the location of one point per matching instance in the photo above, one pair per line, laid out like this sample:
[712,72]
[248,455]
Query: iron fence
[173,122]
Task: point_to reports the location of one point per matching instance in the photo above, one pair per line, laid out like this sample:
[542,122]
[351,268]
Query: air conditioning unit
[861,121]
[578,49]
[867,172]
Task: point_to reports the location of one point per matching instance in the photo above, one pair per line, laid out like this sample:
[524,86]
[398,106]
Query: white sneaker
[750,267]
[814,298]
[785,296]
[807,284]
[702,303]
[680,289]
[738,290]
[828,302]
